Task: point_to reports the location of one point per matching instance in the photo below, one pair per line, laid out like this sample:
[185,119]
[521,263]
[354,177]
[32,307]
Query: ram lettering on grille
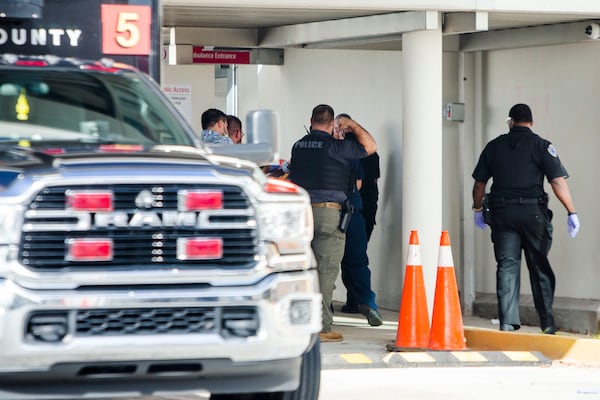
[123,225]
[38,221]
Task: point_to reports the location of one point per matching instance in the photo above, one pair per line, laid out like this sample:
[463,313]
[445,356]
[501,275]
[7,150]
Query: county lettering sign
[202,55]
[124,30]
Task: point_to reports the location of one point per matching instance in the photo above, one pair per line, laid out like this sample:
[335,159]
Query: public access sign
[202,55]
[124,30]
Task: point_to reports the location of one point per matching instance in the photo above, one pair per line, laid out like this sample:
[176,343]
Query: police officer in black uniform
[519,215]
[321,164]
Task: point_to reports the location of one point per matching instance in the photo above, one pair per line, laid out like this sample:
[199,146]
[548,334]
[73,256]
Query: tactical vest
[313,168]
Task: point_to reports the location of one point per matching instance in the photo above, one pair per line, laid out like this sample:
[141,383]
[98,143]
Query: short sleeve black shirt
[344,151]
[518,161]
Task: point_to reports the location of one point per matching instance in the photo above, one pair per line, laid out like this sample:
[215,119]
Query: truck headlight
[11,219]
[289,226]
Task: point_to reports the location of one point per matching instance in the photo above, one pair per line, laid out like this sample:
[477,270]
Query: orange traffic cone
[447,332]
[413,321]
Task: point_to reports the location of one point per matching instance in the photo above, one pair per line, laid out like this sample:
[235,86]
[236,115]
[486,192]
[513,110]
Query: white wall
[206,91]
[561,84]
[366,85]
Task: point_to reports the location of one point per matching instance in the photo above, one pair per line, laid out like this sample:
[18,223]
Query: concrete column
[466,88]
[232,90]
[422,147]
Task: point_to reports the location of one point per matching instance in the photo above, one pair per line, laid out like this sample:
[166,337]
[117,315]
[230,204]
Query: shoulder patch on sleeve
[552,150]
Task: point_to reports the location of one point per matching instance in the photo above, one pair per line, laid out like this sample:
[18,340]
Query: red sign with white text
[202,56]
[126,29]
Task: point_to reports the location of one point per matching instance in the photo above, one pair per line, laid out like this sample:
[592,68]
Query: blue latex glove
[479,220]
[573,224]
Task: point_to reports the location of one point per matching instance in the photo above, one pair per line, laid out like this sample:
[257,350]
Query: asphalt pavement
[365,346]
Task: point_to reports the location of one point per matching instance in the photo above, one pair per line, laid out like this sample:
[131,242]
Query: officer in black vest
[320,164]
[519,216]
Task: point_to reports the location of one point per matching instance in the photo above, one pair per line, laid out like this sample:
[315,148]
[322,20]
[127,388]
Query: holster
[487,209]
[345,215]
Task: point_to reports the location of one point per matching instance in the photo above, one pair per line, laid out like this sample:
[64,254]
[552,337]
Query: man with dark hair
[519,215]
[321,165]
[234,128]
[214,125]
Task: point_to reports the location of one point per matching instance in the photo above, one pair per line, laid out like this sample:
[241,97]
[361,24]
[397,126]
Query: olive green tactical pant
[328,247]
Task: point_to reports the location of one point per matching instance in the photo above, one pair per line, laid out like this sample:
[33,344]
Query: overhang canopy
[377,24]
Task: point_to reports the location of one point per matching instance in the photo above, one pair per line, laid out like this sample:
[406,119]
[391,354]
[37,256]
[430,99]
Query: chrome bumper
[277,337]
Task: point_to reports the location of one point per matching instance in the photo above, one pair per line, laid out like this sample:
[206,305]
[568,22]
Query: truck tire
[310,381]
[310,376]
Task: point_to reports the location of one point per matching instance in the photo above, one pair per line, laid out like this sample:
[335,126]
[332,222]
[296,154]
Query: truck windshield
[72,109]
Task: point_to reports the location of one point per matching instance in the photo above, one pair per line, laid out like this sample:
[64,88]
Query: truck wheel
[310,376]
[310,381]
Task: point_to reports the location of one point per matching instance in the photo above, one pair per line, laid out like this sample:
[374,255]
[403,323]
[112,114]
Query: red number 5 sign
[126,29]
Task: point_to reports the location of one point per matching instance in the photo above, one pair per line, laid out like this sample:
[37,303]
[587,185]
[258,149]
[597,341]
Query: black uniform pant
[526,228]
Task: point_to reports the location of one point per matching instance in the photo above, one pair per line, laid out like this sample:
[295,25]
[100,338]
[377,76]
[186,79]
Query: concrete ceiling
[292,23]
[214,17]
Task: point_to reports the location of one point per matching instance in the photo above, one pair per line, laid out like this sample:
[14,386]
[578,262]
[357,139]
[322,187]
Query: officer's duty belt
[521,200]
[327,204]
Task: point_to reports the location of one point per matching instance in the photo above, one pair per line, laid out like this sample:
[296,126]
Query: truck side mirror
[262,133]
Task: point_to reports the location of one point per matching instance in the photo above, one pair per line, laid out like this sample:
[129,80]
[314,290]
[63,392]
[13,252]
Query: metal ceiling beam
[225,37]
[525,37]
[348,43]
[463,22]
[348,29]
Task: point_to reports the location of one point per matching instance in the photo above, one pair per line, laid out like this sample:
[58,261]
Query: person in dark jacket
[356,274]
[369,191]
[519,217]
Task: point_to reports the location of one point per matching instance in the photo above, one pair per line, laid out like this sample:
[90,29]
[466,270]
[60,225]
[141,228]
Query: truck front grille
[49,224]
[144,321]
[225,321]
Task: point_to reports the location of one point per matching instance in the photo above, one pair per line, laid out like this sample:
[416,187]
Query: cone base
[413,322]
[394,348]
[447,347]
[447,331]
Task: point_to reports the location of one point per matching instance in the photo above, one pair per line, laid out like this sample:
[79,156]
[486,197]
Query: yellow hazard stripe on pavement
[520,356]
[432,358]
[356,358]
[469,356]
[417,357]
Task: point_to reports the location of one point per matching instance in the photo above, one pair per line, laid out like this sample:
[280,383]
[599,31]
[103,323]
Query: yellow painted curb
[565,348]
[356,358]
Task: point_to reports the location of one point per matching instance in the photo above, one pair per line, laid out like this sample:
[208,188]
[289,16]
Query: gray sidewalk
[365,346]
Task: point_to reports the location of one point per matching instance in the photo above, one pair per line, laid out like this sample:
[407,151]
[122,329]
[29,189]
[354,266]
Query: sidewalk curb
[567,349]
[429,359]
[366,346]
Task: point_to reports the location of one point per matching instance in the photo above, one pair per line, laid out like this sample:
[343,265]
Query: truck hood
[159,160]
